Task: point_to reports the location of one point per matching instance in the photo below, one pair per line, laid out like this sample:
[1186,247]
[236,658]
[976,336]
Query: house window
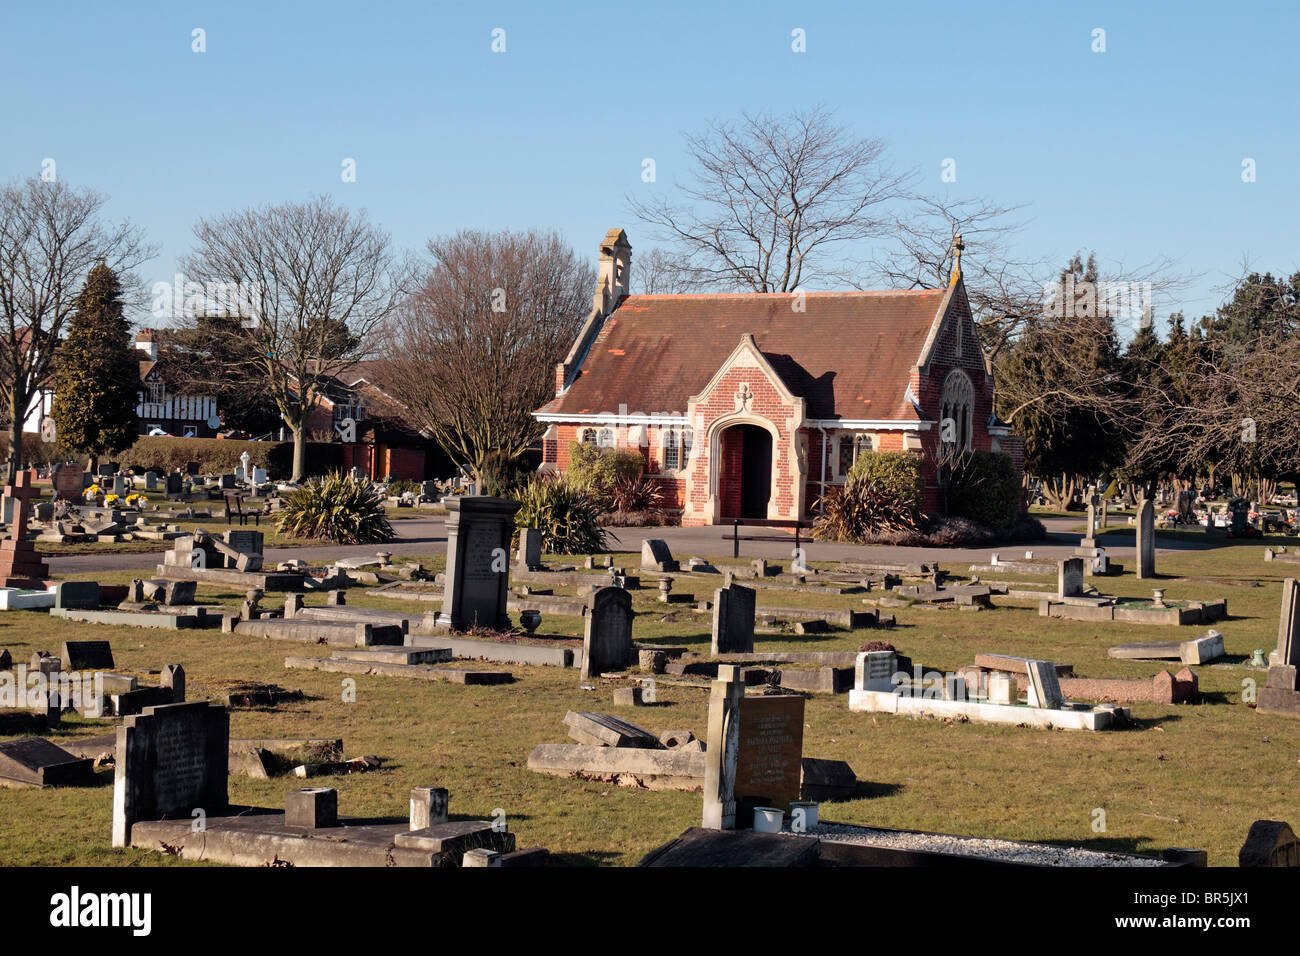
[191,431]
[956,412]
[157,390]
[587,436]
[355,411]
[677,448]
[605,438]
[851,446]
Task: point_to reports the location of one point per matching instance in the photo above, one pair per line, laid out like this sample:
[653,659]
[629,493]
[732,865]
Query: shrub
[564,514]
[862,508]
[983,487]
[598,470]
[336,508]
[896,474]
[502,476]
[221,455]
[639,493]
[400,486]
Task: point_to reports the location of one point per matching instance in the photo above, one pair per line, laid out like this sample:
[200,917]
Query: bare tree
[472,353]
[770,198]
[51,236]
[314,281]
[660,273]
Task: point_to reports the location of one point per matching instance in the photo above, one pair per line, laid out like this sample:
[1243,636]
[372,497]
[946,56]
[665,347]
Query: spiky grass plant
[566,516]
[336,508]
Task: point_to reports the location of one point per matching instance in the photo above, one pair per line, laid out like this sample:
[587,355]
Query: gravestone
[480,531]
[170,760]
[530,549]
[35,762]
[1044,686]
[192,469]
[151,481]
[20,564]
[105,470]
[1069,581]
[733,620]
[175,485]
[725,697]
[1146,539]
[607,632]
[259,476]
[655,556]
[874,670]
[1281,692]
[1270,843]
[117,486]
[87,656]
[80,595]
[67,481]
[770,756]
[229,482]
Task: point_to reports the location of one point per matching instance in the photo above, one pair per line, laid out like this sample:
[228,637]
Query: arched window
[677,448]
[587,436]
[957,405]
[605,438]
[851,446]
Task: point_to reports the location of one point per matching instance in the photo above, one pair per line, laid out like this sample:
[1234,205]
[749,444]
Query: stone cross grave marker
[170,761]
[20,564]
[733,620]
[480,531]
[607,632]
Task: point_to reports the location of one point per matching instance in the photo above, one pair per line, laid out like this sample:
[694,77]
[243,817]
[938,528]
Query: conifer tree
[97,377]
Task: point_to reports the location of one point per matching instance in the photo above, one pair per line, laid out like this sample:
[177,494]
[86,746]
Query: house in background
[753,405]
[385,444]
[158,409]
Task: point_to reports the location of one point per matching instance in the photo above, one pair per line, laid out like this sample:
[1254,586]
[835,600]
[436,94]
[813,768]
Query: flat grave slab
[454,675]
[36,762]
[653,769]
[15,599]
[1201,650]
[396,655]
[243,580]
[885,702]
[502,652]
[160,619]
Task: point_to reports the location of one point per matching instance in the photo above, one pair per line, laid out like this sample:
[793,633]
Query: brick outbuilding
[752,405]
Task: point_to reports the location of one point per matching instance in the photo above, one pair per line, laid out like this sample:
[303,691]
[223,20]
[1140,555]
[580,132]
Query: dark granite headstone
[733,620]
[607,635]
[170,760]
[81,595]
[480,531]
[35,762]
[87,656]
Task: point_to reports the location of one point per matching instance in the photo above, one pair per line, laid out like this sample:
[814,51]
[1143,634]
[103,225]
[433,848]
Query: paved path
[429,536]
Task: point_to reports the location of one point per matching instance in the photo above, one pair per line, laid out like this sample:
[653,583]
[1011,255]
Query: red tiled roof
[849,354]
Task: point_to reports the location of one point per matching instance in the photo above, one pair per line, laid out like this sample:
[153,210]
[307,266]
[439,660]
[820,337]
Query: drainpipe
[822,429]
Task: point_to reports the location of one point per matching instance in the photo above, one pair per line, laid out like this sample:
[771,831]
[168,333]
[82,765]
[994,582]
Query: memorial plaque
[769,761]
[170,760]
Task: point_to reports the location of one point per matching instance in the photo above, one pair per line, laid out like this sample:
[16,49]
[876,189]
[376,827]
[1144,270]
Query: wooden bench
[736,537]
[235,509]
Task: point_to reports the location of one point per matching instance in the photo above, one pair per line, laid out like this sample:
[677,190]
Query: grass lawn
[1191,776]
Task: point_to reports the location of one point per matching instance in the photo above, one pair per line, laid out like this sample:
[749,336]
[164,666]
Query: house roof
[847,354]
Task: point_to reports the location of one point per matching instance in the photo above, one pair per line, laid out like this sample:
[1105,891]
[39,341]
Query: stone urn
[530,620]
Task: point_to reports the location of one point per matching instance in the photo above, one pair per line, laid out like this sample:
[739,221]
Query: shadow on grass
[590,858]
[1147,723]
[867,790]
[1106,845]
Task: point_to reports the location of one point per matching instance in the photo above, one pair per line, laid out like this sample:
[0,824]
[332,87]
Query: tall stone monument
[722,748]
[20,564]
[1146,539]
[480,531]
[1281,692]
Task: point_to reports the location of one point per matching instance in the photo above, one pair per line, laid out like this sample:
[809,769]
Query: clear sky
[1135,152]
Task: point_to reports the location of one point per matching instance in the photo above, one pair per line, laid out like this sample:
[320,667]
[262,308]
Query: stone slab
[609,731]
[501,652]
[654,769]
[36,762]
[454,675]
[889,703]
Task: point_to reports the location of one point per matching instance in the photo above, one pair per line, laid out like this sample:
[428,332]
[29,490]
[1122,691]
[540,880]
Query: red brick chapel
[751,405]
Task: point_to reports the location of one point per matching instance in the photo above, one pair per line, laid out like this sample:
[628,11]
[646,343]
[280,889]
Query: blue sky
[1135,152]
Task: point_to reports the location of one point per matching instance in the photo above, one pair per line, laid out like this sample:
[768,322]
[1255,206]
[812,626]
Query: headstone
[1146,539]
[1270,843]
[1069,578]
[229,482]
[175,485]
[180,593]
[173,678]
[82,595]
[336,598]
[725,698]
[192,469]
[87,656]
[480,531]
[733,620]
[105,470]
[1045,688]
[530,549]
[259,476]
[770,756]
[67,481]
[428,806]
[117,486]
[292,605]
[607,633]
[171,759]
[655,556]
[874,670]
[151,481]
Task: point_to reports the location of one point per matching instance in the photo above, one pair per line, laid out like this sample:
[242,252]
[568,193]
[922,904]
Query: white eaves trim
[614,418]
[866,423]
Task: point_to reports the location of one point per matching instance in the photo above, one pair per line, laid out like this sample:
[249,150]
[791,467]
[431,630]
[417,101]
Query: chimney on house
[144,342]
[613,271]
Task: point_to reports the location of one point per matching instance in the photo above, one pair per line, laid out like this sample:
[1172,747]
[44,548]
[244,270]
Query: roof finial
[957,247]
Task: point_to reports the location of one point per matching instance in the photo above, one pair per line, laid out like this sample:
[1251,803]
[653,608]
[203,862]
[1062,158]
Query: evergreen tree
[97,378]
